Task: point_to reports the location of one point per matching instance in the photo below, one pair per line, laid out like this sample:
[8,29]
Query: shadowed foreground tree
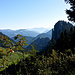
[71,11]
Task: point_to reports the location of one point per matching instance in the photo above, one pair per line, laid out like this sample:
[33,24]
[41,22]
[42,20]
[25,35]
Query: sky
[24,14]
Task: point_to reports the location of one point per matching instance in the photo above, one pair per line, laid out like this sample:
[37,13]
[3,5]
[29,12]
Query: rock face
[59,27]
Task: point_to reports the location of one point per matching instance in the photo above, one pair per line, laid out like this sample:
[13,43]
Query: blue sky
[22,14]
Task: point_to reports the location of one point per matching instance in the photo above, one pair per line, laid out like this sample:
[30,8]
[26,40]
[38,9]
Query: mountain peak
[59,27]
[62,23]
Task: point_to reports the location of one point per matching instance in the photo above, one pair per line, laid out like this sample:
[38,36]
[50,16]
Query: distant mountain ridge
[42,40]
[24,32]
[29,35]
[45,35]
[40,36]
[40,30]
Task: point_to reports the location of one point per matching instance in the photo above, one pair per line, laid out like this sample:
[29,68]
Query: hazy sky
[20,14]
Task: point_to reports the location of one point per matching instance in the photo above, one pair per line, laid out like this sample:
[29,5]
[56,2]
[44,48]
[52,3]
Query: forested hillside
[58,58]
[4,43]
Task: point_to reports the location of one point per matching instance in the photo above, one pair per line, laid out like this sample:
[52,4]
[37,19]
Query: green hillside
[13,58]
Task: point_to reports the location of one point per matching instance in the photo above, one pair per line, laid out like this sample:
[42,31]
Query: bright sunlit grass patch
[13,58]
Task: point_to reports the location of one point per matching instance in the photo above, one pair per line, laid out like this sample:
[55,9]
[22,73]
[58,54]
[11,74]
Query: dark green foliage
[66,41]
[50,47]
[63,42]
[60,42]
[52,43]
[58,62]
[55,64]
[5,42]
[72,41]
[71,11]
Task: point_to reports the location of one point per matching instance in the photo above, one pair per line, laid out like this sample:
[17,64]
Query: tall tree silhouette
[60,42]
[66,40]
[73,40]
[71,37]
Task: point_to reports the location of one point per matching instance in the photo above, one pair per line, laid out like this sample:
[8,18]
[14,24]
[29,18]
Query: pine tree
[60,42]
[52,43]
[66,40]
[73,40]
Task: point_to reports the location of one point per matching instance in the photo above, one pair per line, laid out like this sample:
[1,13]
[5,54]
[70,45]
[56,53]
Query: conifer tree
[73,40]
[60,42]
[71,36]
[66,40]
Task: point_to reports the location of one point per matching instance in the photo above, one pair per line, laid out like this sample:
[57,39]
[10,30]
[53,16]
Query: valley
[19,47]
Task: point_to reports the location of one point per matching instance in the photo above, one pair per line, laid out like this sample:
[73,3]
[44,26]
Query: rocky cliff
[59,27]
